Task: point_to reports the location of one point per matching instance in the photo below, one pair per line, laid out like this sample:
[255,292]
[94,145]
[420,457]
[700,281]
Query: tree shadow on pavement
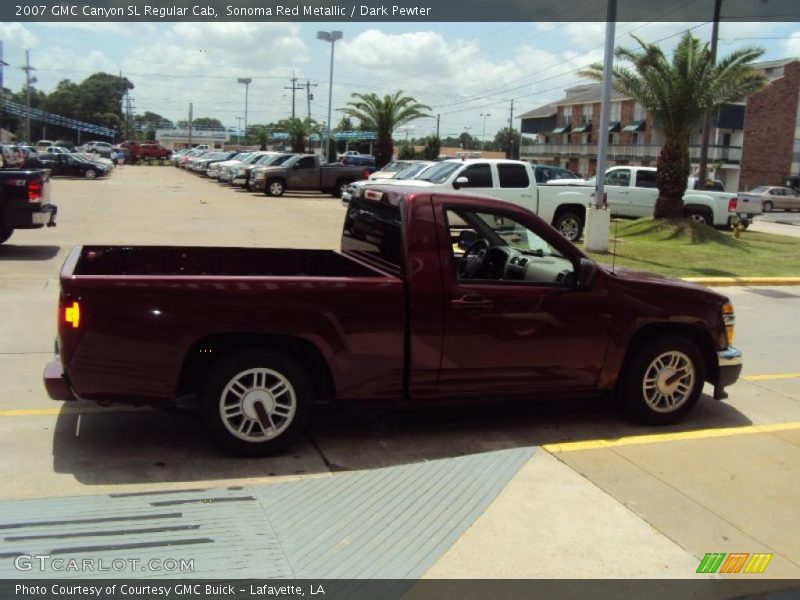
[13,252]
[119,446]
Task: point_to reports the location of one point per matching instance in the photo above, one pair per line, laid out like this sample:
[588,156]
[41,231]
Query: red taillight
[35,188]
[72,315]
[365,174]
[732,204]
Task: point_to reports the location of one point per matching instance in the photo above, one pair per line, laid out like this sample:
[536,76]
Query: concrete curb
[743,281]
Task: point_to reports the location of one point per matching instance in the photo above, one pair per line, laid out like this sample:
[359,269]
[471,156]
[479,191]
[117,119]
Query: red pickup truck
[432,296]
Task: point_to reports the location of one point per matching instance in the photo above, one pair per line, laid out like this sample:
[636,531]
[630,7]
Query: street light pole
[483,135]
[329,36]
[246,81]
[239,133]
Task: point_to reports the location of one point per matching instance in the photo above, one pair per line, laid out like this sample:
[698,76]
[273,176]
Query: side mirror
[460,181]
[466,238]
[296,166]
[587,270]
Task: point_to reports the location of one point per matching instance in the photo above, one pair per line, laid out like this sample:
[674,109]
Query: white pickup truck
[513,181]
[631,192]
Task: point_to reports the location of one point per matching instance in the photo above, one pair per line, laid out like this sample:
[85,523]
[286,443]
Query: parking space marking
[67,410]
[655,438]
[771,376]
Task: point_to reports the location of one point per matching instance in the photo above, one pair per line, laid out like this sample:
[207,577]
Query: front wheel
[256,402]
[570,225]
[274,188]
[90,174]
[662,380]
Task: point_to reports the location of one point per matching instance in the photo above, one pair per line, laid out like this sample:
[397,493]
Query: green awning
[562,129]
[613,127]
[635,126]
[582,128]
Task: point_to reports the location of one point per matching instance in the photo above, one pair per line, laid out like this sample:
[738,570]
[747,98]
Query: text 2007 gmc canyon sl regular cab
[258,336]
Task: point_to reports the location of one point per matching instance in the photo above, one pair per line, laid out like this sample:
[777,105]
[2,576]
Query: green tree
[147,124]
[261,134]
[384,115]
[432,147]
[202,123]
[345,124]
[507,140]
[677,94]
[406,151]
[467,142]
[299,131]
[101,97]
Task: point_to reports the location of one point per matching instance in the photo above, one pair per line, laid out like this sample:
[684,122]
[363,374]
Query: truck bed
[191,261]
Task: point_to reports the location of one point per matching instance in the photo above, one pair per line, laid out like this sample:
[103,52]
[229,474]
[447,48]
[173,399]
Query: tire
[768,206]
[274,187]
[5,232]
[341,187]
[645,388]
[242,433]
[700,216]
[569,224]
[90,174]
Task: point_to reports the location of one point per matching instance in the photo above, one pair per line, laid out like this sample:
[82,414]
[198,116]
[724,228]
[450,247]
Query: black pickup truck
[25,201]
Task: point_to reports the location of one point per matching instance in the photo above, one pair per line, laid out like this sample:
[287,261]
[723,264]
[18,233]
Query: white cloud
[16,35]
[791,47]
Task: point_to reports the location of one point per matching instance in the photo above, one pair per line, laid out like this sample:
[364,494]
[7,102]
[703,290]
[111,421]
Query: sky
[461,70]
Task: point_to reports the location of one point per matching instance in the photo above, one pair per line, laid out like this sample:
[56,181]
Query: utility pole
[511,131]
[702,173]
[309,96]
[294,87]
[28,80]
[239,133]
[437,125]
[191,107]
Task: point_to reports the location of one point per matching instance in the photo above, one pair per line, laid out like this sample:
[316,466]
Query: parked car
[73,165]
[412,170]
[100,148]
[25,201]
[152,151]
[772,197]
[511,180]
[304,172]
[96,158]
[237,168]
[42,144]
[56,150]
[252,176]
[632,193]
[360,160]
[11,156]
[395,315]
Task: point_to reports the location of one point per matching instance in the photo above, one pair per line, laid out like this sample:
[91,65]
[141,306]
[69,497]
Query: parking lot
[725,480]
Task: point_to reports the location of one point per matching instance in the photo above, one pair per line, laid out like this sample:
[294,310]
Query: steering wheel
[472,261]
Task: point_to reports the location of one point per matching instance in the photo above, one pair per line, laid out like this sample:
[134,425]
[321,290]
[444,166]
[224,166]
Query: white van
[42,144]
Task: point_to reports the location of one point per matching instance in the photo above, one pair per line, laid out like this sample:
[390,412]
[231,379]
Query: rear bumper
[729,367]
[55,381]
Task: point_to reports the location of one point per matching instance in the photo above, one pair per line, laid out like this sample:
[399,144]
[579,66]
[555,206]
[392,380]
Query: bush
[432,148]
[406,152]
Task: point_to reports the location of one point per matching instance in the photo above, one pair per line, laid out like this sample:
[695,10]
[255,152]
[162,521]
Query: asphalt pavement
[595,497]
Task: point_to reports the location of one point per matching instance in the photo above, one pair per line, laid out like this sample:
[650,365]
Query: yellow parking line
[655,438]
[67,410]
[771,376]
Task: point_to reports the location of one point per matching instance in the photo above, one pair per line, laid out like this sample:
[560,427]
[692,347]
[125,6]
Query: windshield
[441,172]
[412,171]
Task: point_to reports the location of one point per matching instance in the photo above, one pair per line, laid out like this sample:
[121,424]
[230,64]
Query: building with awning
[752,143]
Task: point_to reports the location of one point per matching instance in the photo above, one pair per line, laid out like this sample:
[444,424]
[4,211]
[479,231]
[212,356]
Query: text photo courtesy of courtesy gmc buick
[432,296]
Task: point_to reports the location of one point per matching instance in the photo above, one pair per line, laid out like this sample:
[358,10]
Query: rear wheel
[699,216]
[90,174]
[5,232]
[569,224]
[768,206]
[274,187]
[256,402]
[662,379]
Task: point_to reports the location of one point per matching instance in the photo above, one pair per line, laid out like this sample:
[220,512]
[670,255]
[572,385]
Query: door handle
[472,302]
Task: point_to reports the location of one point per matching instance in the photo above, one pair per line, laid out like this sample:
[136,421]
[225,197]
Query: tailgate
[749,204]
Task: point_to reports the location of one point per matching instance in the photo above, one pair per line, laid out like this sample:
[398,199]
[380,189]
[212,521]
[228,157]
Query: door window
[620,177]
[306,162]
[501,249]
[646,179]
[480,176]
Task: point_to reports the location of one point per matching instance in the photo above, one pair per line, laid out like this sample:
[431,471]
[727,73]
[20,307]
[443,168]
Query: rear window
[646,179]
[375,228]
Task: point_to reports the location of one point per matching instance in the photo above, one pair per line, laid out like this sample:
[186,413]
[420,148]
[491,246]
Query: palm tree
[678,94]
[299,131]
[383,115]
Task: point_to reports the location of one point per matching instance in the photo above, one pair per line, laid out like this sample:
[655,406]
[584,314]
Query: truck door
[304,174]
[506,335]
[617,188]
[644,194]
[479,180]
